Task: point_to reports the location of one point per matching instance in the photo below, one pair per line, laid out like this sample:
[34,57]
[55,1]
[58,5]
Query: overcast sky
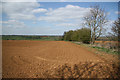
[49,18]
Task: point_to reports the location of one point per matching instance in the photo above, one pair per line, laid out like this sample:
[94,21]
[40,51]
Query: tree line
[81,35]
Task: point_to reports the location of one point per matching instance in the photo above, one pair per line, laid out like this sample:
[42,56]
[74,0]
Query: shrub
[82,35]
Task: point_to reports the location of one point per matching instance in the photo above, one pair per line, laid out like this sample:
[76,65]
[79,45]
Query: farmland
[63,40]
[54,59]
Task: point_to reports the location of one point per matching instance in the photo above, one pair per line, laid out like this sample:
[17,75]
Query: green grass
[109,51]
[106,50]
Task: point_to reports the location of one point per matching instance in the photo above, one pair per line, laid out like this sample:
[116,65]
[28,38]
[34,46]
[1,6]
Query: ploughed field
[52,59]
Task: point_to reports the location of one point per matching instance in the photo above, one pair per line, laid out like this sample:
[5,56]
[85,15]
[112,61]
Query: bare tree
[115,31]
[96,19]
[116,28]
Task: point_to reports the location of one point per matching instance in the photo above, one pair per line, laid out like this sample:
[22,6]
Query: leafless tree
[116,28]
[96,19]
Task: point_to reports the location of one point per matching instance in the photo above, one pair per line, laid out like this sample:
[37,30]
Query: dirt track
[29,59]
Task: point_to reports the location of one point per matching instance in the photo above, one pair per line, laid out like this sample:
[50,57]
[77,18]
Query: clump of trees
[81,35]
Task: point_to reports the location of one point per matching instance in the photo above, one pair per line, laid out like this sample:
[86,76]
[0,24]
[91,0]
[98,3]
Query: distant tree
[116,27]
[116,30]
[68,35]
[63,37]
[82,35]
[85,35]
[95,20]
[75,36]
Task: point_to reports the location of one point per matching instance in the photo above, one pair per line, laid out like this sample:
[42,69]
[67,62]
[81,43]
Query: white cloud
[20,10]
[67,24]
[22,16]
[19,0]
[117,12]
[51,18]
[13,24]
[77,25]
[39,10]
[67,13]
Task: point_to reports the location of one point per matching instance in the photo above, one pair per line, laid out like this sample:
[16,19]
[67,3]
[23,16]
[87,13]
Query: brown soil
[31,59]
